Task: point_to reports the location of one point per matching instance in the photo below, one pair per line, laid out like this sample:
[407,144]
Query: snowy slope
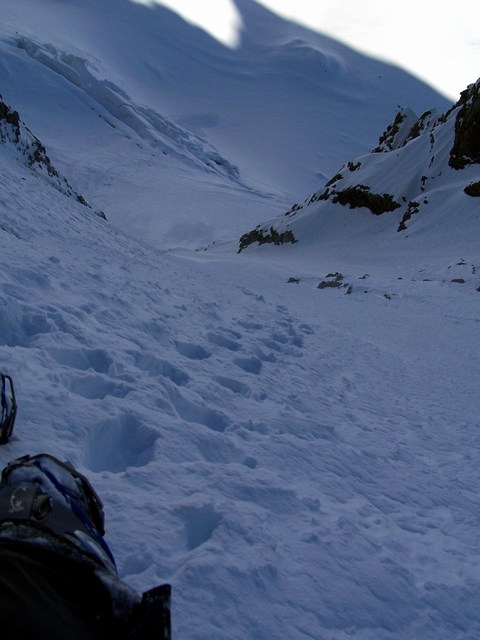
[418,188]
[199,141]
[296,460]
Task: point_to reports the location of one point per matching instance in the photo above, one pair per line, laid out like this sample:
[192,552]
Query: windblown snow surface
[298,462]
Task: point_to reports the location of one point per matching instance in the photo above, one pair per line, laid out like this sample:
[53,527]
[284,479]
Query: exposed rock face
[9,117]
[14,132]
[405,127]
[466,147]
[473,189]
[396,133]
[262,236]
[360,196]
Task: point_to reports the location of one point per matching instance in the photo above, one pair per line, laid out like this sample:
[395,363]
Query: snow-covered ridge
[416,160]
[151,126]
[17,138]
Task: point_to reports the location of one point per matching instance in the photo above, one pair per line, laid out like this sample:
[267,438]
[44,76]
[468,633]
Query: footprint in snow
[195,412]
[156,367]
[250,364]
[234,385]
[83,359]
[200,523]
[192,351]
[97,387]
[118,443]
[223,341]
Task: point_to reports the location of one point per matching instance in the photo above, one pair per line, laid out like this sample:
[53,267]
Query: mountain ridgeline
[416,158]
[32,153]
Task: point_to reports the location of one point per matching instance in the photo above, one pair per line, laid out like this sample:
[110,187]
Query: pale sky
[437,42]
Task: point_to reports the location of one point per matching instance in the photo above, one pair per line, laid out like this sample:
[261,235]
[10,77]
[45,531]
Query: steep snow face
[19,142]
[178,118]
[422,175]
[157,130]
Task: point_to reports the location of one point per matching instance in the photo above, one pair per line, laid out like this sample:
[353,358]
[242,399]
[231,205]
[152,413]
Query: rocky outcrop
[466,147]
[396,133]
[33,153]
[266,236]
[361,196]
[415,160]
[9,123]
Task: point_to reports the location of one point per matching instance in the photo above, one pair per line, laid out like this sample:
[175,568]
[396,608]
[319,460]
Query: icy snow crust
[296,461]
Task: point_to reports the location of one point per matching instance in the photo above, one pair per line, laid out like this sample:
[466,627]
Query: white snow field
[298,462]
